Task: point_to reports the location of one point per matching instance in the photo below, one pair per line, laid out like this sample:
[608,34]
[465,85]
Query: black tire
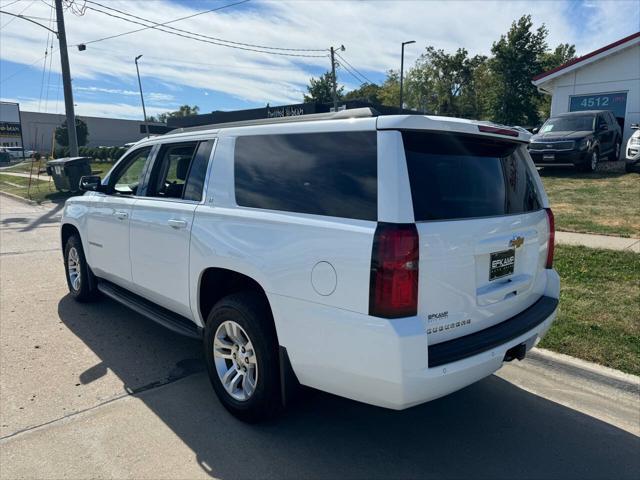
[83,290]
[631,167]
[591,165]
[251,312]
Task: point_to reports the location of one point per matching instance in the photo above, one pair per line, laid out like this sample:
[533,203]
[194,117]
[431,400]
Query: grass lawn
[604,203]
[599,316]
[40,190]
[98,168]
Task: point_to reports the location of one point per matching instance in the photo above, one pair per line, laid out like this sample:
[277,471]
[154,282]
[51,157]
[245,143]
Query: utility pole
[333,77]
[66,82]
[402,71]
[144,112]
[333,81]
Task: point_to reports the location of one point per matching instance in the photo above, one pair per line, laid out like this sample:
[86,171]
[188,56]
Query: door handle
[174,223]
[121,215]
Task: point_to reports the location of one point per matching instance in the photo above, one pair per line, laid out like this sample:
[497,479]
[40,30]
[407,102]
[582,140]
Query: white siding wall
[38,128]
[618,72]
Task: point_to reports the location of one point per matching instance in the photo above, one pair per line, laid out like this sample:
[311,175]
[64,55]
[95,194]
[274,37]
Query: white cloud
[371,31]
[151,96]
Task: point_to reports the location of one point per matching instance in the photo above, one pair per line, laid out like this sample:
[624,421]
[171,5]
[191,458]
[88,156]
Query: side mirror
[604,127]
[92,183]
[535,130]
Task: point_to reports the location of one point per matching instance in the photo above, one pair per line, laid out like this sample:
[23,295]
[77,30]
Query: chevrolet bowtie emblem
[516,242]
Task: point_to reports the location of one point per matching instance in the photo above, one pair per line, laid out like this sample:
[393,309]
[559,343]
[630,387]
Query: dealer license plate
[501,263]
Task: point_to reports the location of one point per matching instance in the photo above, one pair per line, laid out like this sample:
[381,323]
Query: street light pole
[66,82]
[144,111]
[402,70]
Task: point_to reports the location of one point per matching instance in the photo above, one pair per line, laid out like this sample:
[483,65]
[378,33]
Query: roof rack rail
[314,117]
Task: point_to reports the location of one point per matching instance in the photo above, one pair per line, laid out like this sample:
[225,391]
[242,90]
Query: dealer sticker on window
[501,263]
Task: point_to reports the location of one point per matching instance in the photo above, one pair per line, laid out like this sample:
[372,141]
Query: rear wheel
[80,279]
[241,351]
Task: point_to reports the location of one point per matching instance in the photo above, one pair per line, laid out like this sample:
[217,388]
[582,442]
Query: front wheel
[591,165]
[241,352]
[80,279]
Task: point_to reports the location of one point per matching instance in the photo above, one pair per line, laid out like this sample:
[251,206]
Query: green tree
[562,54]
[367,92]
[390,90]
[517,58]
[444,83]
[62,133]
[320,90]
[183,111]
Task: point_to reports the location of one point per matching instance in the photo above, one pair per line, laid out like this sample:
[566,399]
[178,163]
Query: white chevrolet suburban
[387,259]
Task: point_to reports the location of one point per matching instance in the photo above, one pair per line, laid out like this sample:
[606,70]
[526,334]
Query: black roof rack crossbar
[314,117]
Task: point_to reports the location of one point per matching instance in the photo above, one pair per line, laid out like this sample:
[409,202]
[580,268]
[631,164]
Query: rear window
[455,176]
[331,174]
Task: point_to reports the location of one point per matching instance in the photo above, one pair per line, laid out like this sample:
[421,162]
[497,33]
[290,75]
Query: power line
[355,69]
[358,79]
[14,15]
[203,40]
[20,70]
[12,3]
[264,47]
[46,100]
[195,36]
[161,24]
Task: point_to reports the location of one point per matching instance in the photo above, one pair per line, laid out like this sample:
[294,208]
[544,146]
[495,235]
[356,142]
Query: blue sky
[177,70]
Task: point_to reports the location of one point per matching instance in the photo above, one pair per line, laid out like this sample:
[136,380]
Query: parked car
[15,152]
[391,260]
[632,156]
[579,139]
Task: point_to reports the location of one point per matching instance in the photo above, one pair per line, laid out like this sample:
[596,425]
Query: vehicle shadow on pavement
[491,429]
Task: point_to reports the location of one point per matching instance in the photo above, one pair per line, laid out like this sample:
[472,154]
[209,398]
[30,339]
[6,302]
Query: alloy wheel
[73,266]
[594,160]
[235,360]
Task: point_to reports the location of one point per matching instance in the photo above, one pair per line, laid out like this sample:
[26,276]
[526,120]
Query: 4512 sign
[615,102]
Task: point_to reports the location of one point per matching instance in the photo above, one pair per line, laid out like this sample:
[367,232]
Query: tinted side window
[197,172]
[127,178]
[332,174]
[170,170]
[455,176]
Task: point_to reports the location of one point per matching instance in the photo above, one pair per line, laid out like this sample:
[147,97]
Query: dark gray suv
[578,139]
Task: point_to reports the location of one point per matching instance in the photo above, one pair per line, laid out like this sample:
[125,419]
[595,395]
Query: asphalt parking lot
[97,391]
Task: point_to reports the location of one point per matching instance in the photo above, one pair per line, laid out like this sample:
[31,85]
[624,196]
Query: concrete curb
[20,199]
[587,370]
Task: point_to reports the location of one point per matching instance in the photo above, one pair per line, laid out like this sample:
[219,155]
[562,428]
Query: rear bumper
[386,362]
[561,158]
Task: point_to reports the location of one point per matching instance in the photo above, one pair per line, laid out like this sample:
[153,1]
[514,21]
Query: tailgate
[482,227]
[477,273]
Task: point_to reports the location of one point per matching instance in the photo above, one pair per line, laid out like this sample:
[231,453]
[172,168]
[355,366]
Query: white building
[34,130]
[606,79]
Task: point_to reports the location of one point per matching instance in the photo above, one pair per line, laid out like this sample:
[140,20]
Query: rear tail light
[552,238]
[394,271]
[498,130]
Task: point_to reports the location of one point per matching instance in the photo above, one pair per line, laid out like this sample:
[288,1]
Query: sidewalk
[43,176]
[598,241]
